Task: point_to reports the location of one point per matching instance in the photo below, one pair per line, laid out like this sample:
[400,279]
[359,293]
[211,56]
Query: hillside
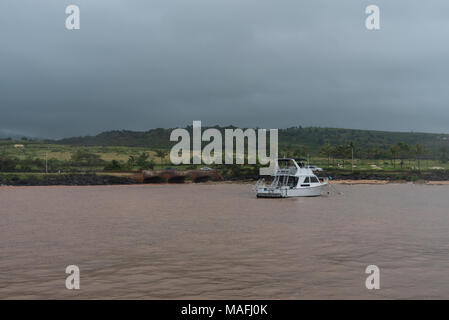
[309,138]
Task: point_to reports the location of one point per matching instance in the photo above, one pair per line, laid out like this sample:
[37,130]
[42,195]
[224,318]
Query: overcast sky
[141,64]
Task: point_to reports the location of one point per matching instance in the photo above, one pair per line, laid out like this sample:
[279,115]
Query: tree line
[398,153]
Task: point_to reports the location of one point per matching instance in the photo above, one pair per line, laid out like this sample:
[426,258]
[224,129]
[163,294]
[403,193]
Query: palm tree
[334,154]
[342,151]
[444,154]
[131,162]
[374,153]
[161,154]
[326,150]
[351,151]
[419,151]
[404,151]
[394,154]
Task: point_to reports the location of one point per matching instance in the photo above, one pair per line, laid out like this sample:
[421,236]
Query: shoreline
[94,179]
[237,182]
[382,182]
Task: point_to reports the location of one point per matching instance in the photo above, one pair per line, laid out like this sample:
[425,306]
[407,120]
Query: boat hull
[288,193]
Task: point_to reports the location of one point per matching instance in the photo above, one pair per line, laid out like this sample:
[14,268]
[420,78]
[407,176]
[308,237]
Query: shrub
[114,165]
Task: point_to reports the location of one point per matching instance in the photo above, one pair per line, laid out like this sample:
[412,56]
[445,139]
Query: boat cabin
[292,174]
[291,179]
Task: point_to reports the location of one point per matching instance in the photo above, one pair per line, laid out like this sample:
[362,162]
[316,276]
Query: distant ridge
[310,137]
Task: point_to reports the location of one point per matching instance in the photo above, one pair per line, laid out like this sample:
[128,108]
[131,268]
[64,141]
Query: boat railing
[260,184]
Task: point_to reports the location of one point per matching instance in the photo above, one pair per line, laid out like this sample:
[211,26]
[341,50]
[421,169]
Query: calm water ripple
[216,241]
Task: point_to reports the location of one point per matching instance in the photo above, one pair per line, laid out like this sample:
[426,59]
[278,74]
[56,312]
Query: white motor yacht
[291,179]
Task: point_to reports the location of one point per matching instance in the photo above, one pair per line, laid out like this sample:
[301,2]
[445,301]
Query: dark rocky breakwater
[431,175]
[11,179]
[63,179]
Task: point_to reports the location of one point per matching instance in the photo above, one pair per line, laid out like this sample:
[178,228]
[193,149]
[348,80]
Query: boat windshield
[286,166]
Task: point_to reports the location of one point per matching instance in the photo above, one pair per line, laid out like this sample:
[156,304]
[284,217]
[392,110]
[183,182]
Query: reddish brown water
[219,241]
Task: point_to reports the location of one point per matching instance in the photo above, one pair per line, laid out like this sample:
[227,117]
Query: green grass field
[381,164]
[63,153]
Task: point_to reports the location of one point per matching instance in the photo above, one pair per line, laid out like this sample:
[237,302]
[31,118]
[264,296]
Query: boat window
[284,164]
[292,182]
[314,180]
[307,180]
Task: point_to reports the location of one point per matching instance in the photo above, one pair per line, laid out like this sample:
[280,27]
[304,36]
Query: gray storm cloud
[144,64]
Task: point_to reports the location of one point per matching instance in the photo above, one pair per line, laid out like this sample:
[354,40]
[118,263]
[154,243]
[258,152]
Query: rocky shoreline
[399,176]
[64,180]
[410,176]
[87,179]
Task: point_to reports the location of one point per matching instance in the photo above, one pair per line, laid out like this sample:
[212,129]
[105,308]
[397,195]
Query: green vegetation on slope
[306,140]
[133,151]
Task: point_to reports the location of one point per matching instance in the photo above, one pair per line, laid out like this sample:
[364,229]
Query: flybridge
[212,153]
